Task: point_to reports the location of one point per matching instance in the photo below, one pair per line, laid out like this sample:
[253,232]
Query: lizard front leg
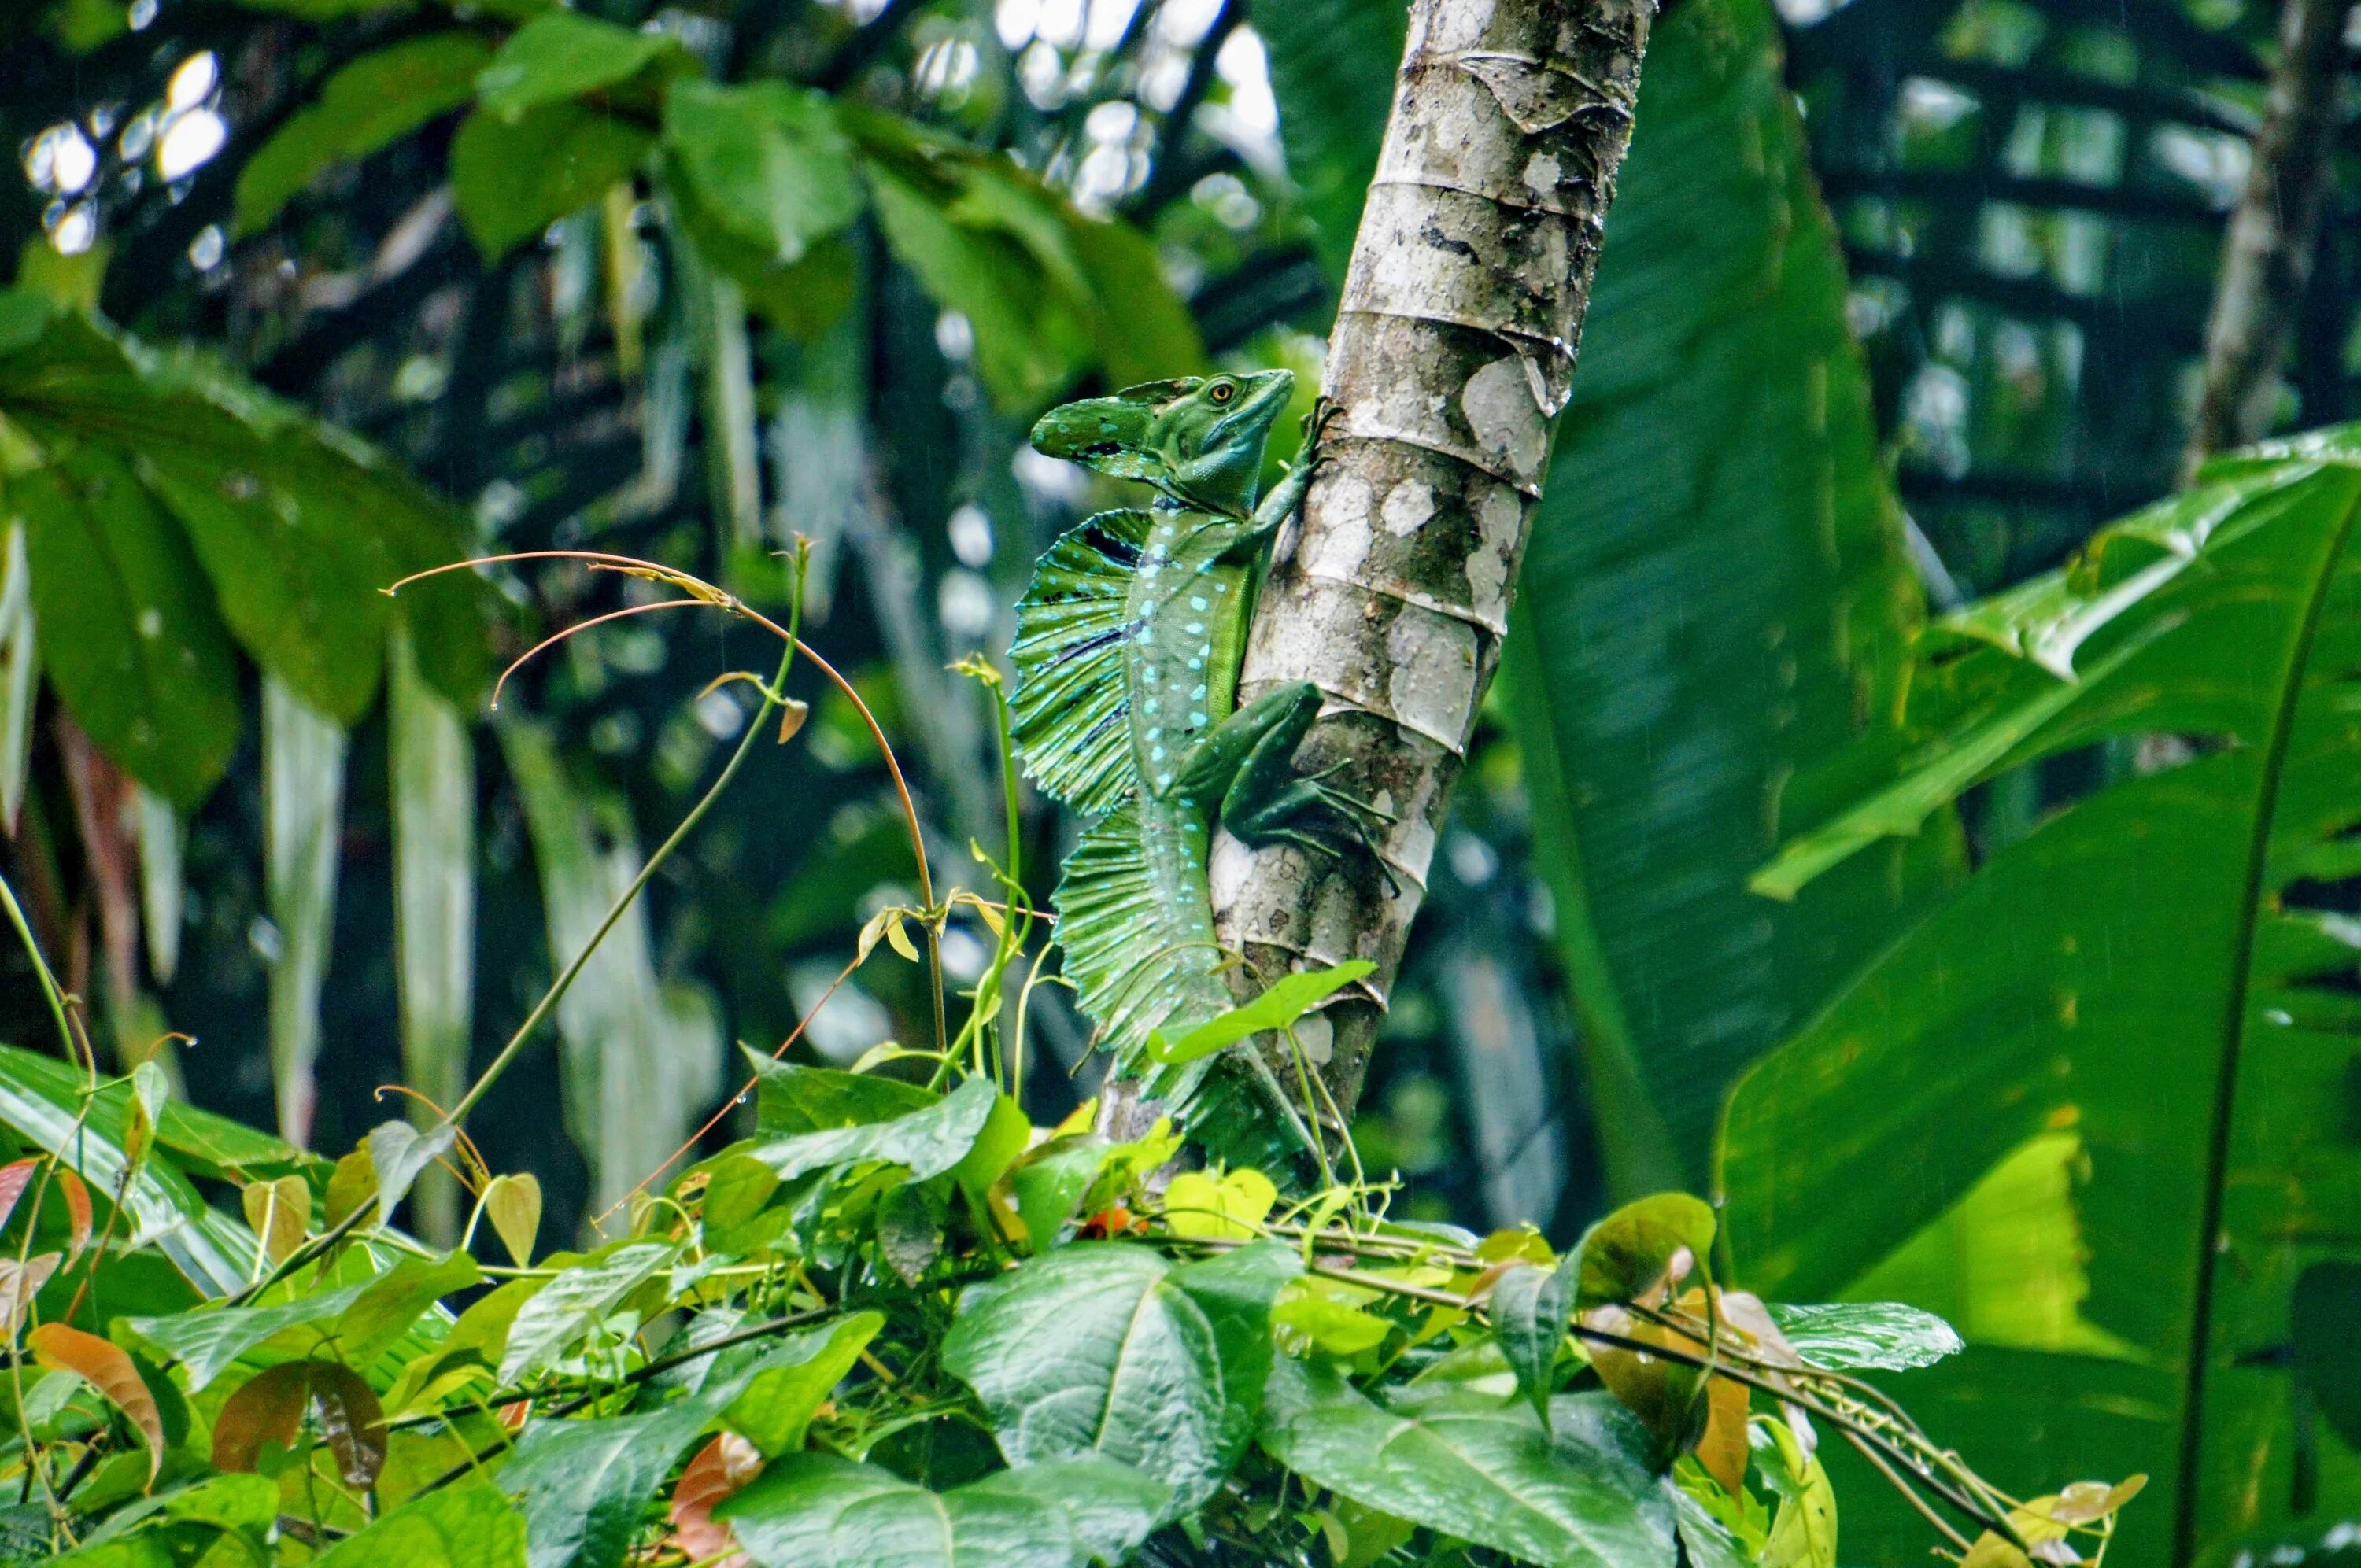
[1246,770]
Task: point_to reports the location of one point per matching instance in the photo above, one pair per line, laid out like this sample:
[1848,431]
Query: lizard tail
[1070,713]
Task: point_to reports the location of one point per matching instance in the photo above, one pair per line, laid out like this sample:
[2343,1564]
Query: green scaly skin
[1128,647]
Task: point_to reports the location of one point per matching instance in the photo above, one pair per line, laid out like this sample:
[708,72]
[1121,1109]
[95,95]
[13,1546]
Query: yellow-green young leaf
[107,1368]
[1289,999]
[280,1213]
[368,104]
[1199,1204]
[513,1204]
[1804,1532]
[1318,1316]
[352,1184]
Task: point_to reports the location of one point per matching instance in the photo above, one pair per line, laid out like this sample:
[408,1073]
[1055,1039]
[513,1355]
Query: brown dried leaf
[107,1368]
[721,1468]
[1722,1448]
[268,1406]
[352,1421]
[19,1283]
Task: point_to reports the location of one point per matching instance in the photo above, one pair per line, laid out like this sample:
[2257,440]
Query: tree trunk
[2267,257]
[1454,346]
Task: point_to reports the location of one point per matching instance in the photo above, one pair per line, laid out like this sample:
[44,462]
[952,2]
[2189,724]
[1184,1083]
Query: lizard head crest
[1198,439]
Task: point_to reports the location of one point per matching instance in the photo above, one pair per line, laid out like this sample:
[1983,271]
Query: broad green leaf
[1884,1336]
[2033,1075]
[1286,999]
[1579,1494]
[467,1526]
[1530,1309]
[390,1304]
[790,1099]
[513,178]
[767,162]
[795,1377]
[206,1341]
[2322,1319]
[1113,1350]
[130,638]
[583,1486]
[562,55]
[569,1306]
[1714,609]
[818,1509]
[370,104]
[1804,1532]
[926,1142]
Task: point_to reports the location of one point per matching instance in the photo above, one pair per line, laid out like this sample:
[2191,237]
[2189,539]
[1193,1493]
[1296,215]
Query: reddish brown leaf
[105,812]
[352,1421]
[269,1408]
[77,1213]
[1722,1448]
[721,1468]
[105,1368]
[15,1177]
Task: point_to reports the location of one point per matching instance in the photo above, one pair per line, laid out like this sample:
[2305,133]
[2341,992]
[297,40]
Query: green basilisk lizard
[1127,650]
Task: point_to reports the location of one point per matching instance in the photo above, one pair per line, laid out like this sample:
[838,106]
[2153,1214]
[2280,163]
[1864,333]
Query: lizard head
[1199,440]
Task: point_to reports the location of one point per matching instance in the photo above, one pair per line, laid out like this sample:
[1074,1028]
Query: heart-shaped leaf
[513,1205]
[398,1151]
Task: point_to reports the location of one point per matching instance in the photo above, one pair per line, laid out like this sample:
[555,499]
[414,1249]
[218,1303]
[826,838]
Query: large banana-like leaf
[1714,608]
[303,799]
[2099,1104]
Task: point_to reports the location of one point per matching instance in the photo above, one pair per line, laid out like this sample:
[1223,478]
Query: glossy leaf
[2172,982]
[570,1305]
[792,1099]
[1284,1002]
[466,1526]
[1113,1350]
[1714,609]
[1581,1495]
[583,1486]
[20,669]
[206,1341]
[926,1142]
[107,1368]
[794,1378]
[1884,1336]
[1531,1309]
[817,1507]
[368,104]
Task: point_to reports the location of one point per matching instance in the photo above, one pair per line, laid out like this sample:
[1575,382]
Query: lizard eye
[1222,391]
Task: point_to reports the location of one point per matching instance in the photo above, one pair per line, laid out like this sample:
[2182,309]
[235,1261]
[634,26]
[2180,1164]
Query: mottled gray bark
[2267,257]
[1454,346]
